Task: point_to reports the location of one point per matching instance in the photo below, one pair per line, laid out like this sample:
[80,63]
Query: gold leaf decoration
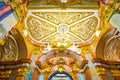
[39,29]
[112,49]
[63,17]
[10,49]
[86,28]
[64,27]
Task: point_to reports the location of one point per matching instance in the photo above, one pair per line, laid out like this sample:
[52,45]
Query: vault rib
[81,20]
[44,20]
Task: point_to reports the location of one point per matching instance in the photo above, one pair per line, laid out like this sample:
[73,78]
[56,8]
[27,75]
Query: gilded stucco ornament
[19,6]
[10,49]
[107,11]
[112,49]
[62,28]
[5,73]
[115,72]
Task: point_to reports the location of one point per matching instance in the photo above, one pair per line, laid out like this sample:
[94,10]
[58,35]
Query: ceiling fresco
[46,26]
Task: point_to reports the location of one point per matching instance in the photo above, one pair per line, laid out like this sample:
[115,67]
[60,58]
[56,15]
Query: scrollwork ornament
[85,29]
[63,17]
[67,27]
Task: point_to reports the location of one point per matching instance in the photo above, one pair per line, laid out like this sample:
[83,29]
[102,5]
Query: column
[92,67]
[41,77]
[81,77]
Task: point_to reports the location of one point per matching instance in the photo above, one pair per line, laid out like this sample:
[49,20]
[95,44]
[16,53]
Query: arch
[22,50]
[10,49]
[108,47]
[64,73]
[101,44]
[14,48]
[112,49]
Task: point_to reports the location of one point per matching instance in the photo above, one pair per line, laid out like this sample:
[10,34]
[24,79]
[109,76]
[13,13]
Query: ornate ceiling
[64,26]
[61,36]
[77,27]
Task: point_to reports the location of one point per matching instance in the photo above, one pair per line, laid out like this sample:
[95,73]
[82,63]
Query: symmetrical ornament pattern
[39,29]
[112,49]
[10,49]
[63,17]
[65,26]
[85,29]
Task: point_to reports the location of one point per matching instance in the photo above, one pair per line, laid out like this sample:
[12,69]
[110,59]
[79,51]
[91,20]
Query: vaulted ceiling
[56,25]
[63,26]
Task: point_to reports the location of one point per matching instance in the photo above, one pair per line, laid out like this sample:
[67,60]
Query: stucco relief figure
[10,49]
[112,49]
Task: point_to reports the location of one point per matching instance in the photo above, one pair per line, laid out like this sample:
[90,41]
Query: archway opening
[60,76]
